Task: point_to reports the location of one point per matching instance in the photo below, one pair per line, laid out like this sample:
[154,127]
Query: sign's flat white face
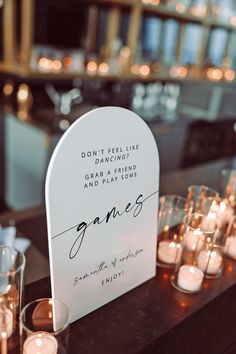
[101,198]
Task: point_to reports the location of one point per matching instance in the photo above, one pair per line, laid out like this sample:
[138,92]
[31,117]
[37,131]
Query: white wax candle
[6,321]
[230,246]
[169,252]
[40,343]
[190,278]
[222,212]
[194,240]
[209,261]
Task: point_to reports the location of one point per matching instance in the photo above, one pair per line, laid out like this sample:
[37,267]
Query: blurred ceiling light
[1,3]
[199,11]
[92,67]
[23,93]
[233,20]
[180,7]
[145,1]
[156,67]
[45,64]
[67,61]
[103,68]
[214,74]
[229,75]
[178,71]
[56,65]
[135,69]
[144,70]
[8,88]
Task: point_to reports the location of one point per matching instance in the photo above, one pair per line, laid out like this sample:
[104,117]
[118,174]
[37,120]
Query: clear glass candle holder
[189,274]
[172,210]
[228,186]
[12,264]
[197,193]
[45,327]
[210,260]
[218,209]
[230,239]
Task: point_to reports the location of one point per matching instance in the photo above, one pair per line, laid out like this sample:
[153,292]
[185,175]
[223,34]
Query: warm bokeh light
[229,268]
[154,2]
[156,67]
[233,20]
[45,64]
[56,65]
[23,93]
[92,67]
[144,70]
[180,7]
[67,61]
[229,75]
[183,304]
[8,88]
[166,276]
[199,11]
[135,69]
[214,74]
[178,71]
[103,68]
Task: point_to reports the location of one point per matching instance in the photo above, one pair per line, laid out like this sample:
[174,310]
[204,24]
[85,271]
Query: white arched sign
[101,200]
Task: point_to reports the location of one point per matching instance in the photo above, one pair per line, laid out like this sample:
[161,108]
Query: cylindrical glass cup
[188,276]
[219,209]
[12,264]
[196,194]
[228,186]
[210,260]
[230,239]
[172,210]
[45,327]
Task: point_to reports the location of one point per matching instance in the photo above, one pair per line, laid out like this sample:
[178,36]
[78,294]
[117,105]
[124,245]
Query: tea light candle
[190,278]
[194,240]
[40,343]
[224,214]
[209,261]
[169,252]
[230,246]
[6,321]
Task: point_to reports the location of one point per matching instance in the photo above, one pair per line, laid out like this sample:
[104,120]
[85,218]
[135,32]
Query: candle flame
[192,270]
[38,342]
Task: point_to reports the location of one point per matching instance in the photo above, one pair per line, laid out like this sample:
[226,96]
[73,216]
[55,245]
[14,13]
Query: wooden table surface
[154,317]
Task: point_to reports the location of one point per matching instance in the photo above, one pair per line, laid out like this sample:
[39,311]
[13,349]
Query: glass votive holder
[196,194]
[188,276]
[230,239]
[210,260]
[228,186]
[172,210]
[219,209]
[12,264]
[45,327]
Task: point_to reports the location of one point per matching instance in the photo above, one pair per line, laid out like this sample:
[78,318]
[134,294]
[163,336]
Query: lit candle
[40,343]
[6,321]
[230,246]
[194,240]
[190,278]
[3,343]
[169,252]
[210,261]
[221,212]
